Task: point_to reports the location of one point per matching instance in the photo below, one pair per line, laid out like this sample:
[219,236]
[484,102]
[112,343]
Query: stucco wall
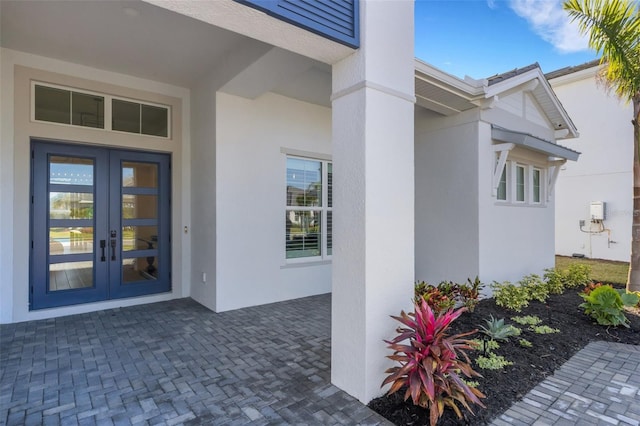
[446,203]
[603,172]
[515,240]
[250,198]
[17,71]
[203,173]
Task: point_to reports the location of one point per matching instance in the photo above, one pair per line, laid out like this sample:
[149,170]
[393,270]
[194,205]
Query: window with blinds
[308,210]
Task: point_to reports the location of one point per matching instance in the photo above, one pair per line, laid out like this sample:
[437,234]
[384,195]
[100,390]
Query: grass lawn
[605,271]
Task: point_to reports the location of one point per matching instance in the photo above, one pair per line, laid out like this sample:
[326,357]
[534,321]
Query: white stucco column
[373,157]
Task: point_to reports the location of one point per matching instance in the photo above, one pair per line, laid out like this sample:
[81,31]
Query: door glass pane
[52,104]
[139,238]
[126,116]
[303,233]
[154,121]
[66,276]
[70,171]
[141,175]
[70,205]
[304,182]
[87,110]
[70,240]
[139,269]
[139,206]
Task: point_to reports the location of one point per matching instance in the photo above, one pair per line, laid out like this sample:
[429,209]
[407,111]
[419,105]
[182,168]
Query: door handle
[113,250]
[103,244]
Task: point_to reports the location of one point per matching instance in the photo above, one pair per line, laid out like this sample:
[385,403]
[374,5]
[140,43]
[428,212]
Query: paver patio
[176,363]
[179,363]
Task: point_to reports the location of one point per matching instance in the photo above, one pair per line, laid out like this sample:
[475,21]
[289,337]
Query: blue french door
[100,224]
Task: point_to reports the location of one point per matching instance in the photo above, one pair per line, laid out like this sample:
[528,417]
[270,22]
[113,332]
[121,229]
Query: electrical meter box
[597,210]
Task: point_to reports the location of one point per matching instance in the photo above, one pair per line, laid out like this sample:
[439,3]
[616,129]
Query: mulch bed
[530,365]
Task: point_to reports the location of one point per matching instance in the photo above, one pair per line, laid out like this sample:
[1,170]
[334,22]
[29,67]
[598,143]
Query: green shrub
[492,362]
[515,330]
[543,329]
[605,305]
[554,280]
[525,343]
[488,345]
[536,287]
[577,275]
[527,320]
[629,298]
[510,296]
[470,293]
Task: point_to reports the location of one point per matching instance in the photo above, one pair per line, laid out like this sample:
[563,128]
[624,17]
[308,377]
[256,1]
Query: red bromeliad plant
[431,365]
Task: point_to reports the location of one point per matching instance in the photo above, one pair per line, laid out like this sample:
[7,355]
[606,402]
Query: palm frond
[613,27]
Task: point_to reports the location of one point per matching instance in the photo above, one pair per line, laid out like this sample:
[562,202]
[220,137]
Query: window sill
[305,264]
[507,204]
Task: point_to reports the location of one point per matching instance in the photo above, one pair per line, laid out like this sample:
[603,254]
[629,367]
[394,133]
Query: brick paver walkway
[600,385]
[179,363]
[176,363]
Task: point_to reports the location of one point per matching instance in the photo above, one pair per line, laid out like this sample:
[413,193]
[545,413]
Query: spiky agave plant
[431,364]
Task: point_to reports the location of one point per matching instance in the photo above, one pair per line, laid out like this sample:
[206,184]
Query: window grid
[308,210]
[521,184]
[105,121]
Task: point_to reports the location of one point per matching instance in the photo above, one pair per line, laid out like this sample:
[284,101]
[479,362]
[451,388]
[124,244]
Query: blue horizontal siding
[337,20]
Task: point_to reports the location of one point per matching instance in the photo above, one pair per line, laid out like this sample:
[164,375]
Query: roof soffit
[542,93]
[445,94]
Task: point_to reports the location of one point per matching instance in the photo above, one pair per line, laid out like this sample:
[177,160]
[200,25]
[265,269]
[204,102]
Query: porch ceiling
[129,37]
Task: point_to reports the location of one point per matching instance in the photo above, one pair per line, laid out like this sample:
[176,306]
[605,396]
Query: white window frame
[108,104]
[511,171]
[323,209]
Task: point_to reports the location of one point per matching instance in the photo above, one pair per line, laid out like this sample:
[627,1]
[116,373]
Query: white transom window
[62,105]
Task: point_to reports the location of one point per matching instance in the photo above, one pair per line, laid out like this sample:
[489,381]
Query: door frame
[106,189]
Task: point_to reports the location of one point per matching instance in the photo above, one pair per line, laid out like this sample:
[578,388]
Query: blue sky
[480,38]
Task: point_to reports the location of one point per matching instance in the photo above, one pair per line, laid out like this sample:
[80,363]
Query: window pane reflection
[154,120]
[140,269]
[304,182]
[70,240]
[87,110]
[139,206]
[70,205]
[141,175]
[126,116]
[139,238]
[70,171]
[303,233]
[52,104]
[71,275]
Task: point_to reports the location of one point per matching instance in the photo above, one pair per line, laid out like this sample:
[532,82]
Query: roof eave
[533,143]
[524,78]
